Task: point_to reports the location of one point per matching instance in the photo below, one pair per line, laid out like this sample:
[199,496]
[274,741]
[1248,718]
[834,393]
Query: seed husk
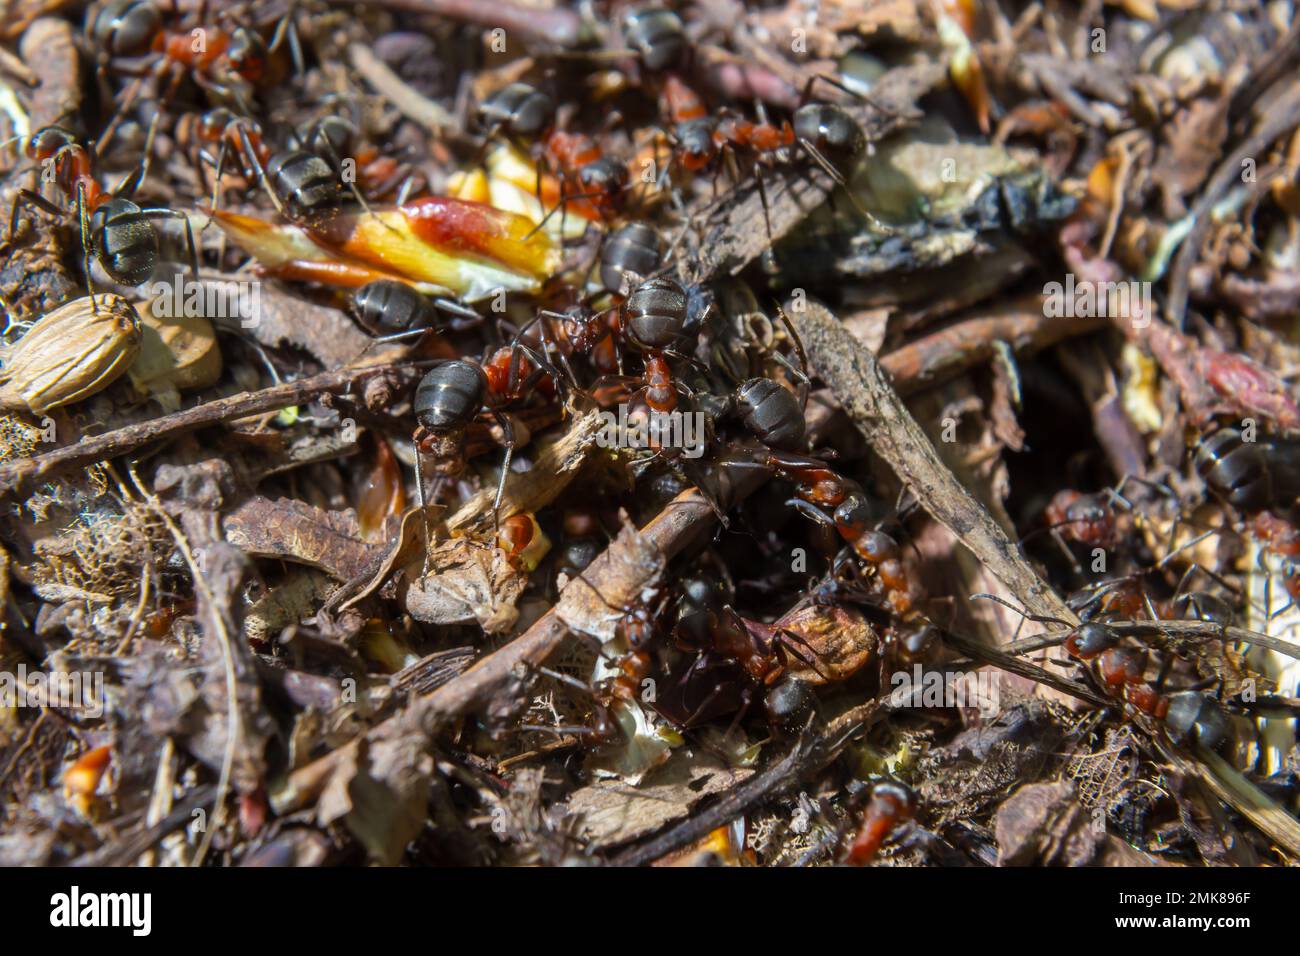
[71,353]
[177,353]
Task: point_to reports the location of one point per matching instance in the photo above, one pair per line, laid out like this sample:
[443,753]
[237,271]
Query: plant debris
[650,434]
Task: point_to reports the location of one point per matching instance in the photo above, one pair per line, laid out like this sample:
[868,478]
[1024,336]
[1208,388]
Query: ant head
[1087,509]
[695,145]
[246,54]
[604,175]
[1090,639]
[47,143]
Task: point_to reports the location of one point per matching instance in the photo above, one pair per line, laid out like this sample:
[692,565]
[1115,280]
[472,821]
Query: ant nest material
[106,553]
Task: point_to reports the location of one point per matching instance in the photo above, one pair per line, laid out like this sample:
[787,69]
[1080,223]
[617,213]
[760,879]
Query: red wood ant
[586,174]
[215,57]
[824,132]
[115,231]
[890,805]
[454,393]
[1121,671]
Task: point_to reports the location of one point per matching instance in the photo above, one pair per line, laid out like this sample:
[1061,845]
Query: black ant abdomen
[633,250]
[125,241]
[126,27]
[389,307]
[658,35]
[305,185]
[518,109]
[829,129]
[449,396]
[655,314]
[772,413]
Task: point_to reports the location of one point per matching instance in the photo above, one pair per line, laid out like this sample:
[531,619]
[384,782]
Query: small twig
[558,26]
[19,475]
[1280,119]
[407,100]
[949,352]
[806,754]
[851,371]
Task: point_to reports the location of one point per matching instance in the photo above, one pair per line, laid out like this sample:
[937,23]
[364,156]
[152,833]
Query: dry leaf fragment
[635,567]
[1044,824]
[467,581]
[838,642]
[613,812]
[295,531]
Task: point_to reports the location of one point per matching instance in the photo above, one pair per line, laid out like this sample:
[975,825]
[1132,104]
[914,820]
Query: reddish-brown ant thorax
[660,392]
[1083,518]
[1120,666]
[1145,698]
[1282,537]
[891,805]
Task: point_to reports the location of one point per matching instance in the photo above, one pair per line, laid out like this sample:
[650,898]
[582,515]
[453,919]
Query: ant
[215,57]
[890,805]
[1250,475]
[1093,520]
[337,137]
[825,132]
[751,657]
[115,231]
[227,64]
[524,113]
[820,490]
[391,310]
[1121,671]
[452,394]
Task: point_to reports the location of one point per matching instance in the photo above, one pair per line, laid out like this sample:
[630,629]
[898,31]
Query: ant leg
[1036,618]
[829,169]
[253,162]
[423,505]
[810,510]
[286,29]
[25,197]
[464,312]
[349,181]
[804,379]
[189,234]
[713,695]
[1065,548]
[805,96]
[87,243]
[762,196]
[788,635]
[508,431]
[559,207]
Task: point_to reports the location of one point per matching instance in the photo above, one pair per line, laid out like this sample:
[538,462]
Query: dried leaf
[613,813]
[467,581]
[295,531]
[635,565]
